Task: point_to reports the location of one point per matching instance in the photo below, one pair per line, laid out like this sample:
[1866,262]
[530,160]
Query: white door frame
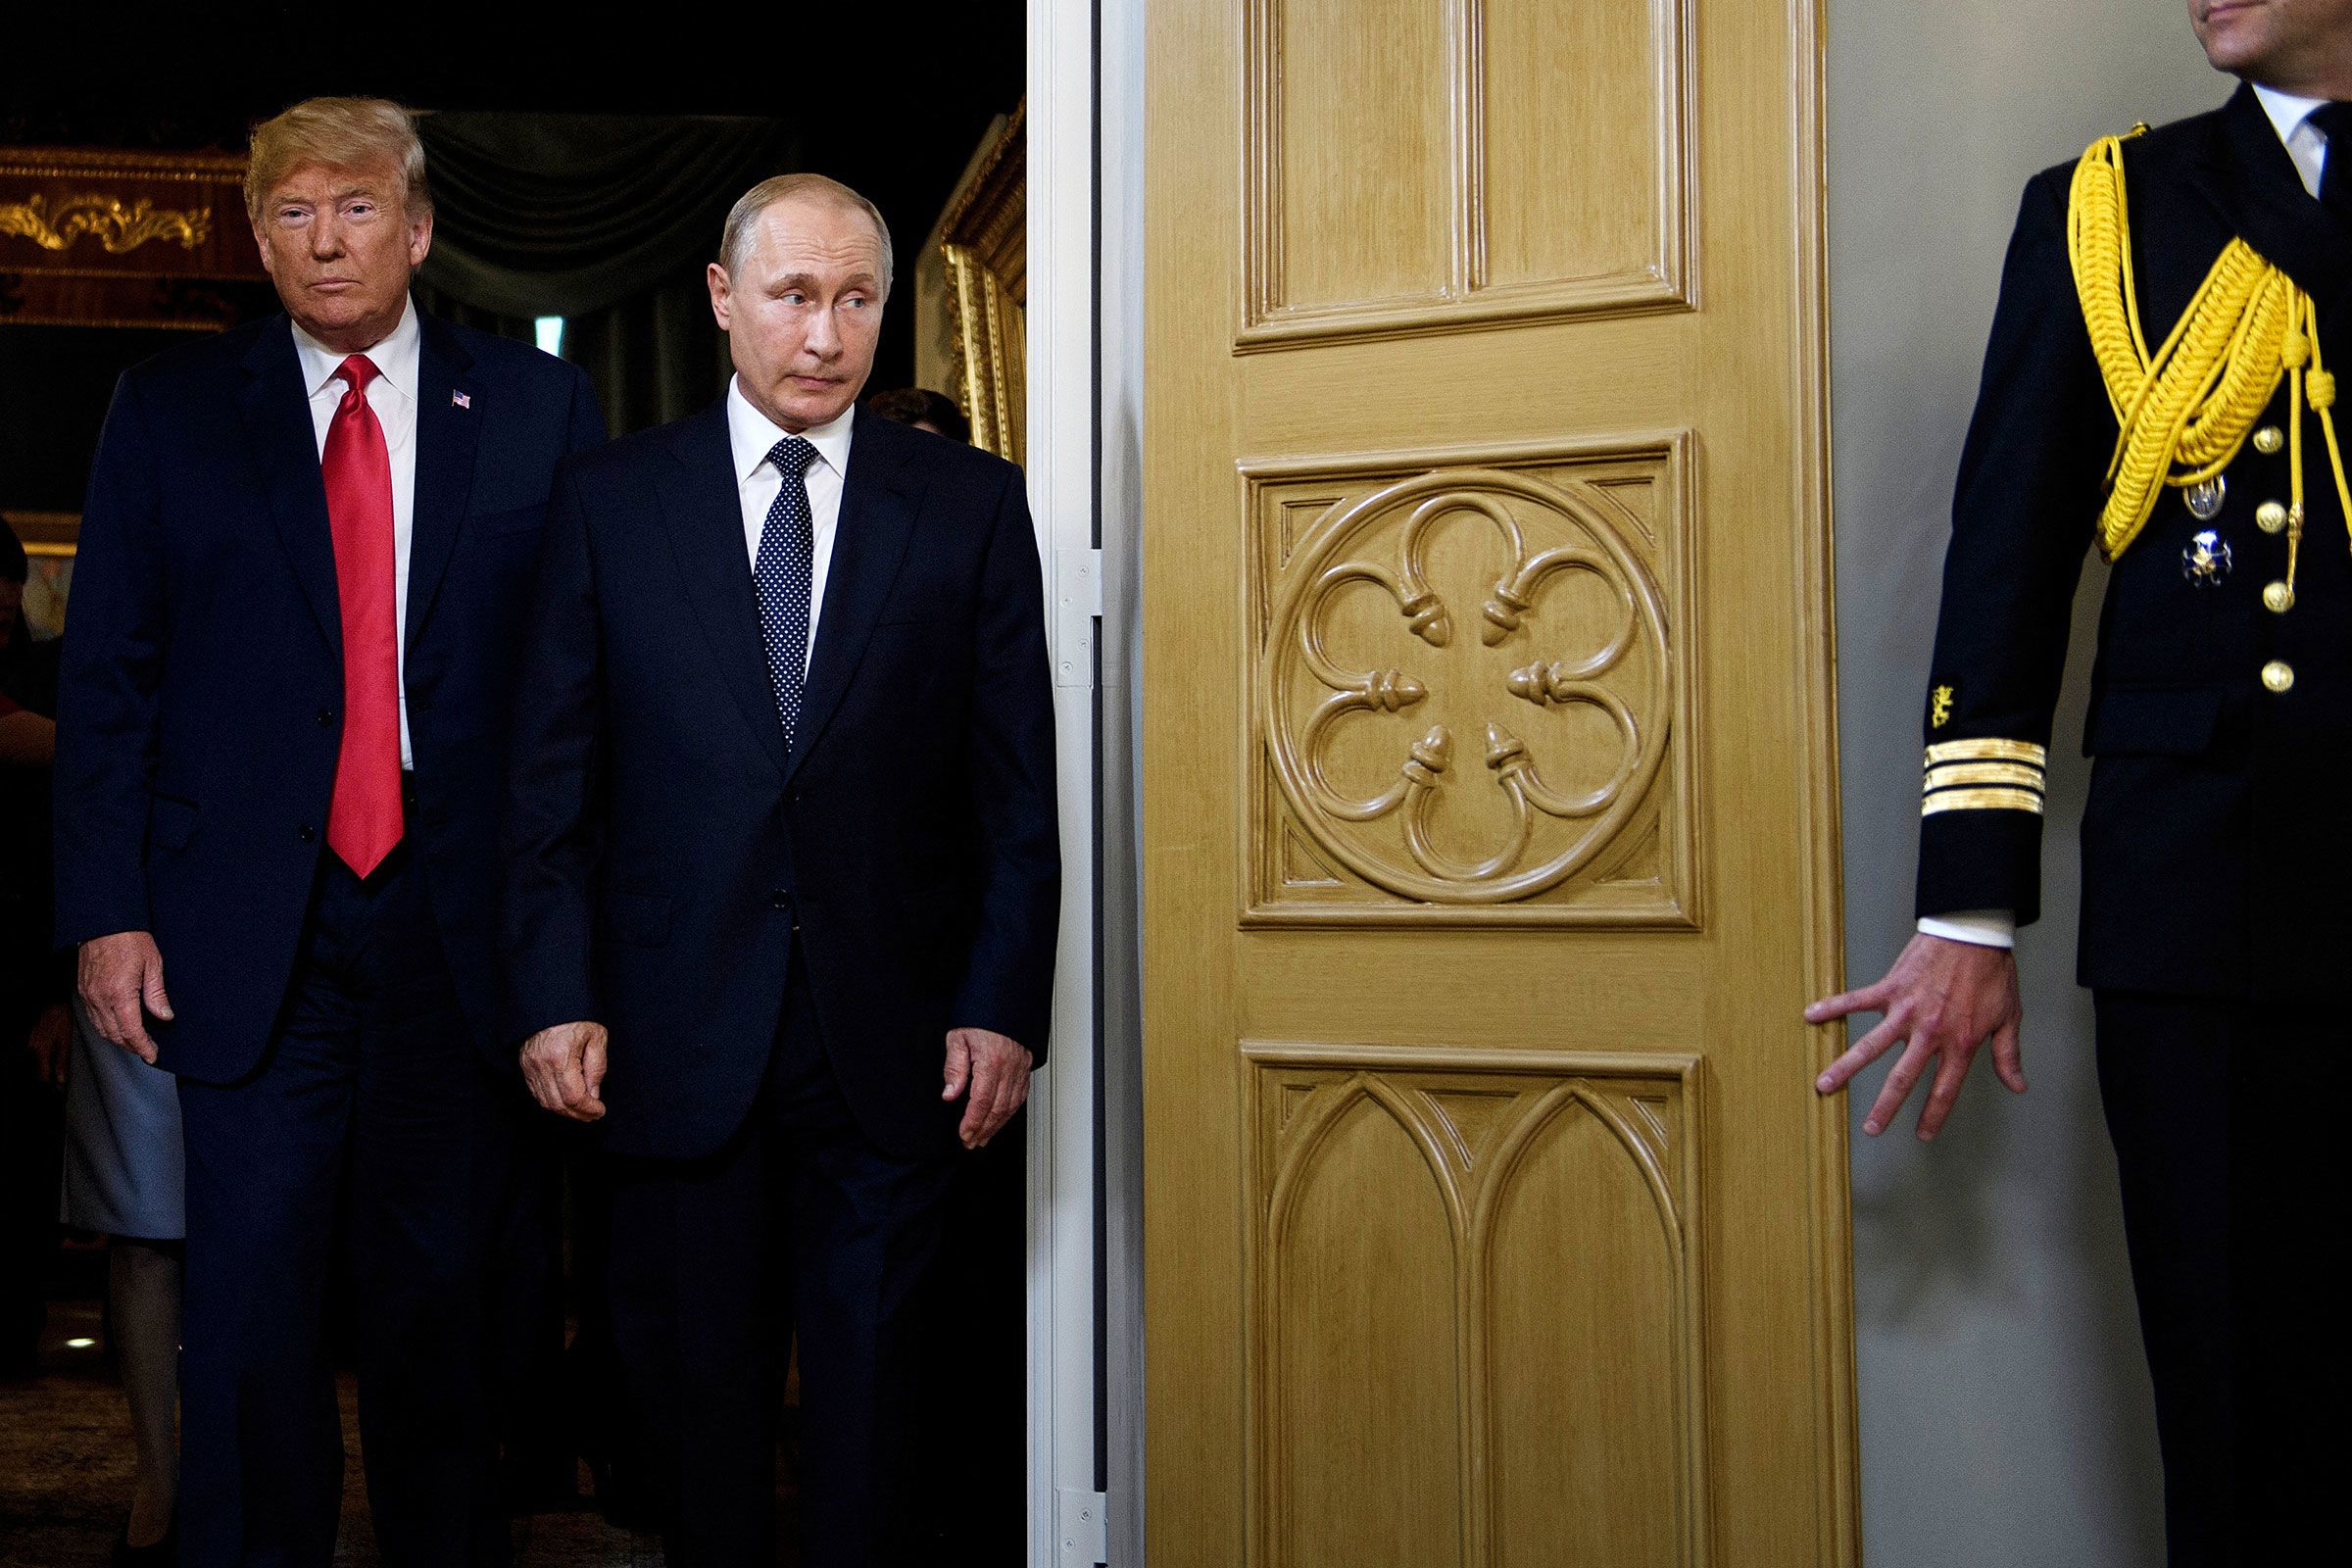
[1065,1505]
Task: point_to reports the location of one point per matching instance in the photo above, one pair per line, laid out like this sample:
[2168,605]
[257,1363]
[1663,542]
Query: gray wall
[2005,1414]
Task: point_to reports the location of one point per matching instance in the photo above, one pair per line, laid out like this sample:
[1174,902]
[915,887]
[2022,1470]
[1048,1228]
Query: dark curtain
[606,220]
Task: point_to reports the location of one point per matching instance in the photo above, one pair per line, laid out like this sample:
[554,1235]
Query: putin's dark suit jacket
[201,703]
[666,854]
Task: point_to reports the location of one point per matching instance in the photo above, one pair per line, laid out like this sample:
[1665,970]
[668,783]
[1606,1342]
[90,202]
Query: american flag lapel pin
[461,400]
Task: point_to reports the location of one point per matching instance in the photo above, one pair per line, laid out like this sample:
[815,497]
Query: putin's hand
[996,1069]
[121,978]
[1945,998]
[565,1065]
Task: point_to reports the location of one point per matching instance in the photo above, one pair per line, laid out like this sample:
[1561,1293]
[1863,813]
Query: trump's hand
[1945,998]
[565,1065]
[121,981]
[996,1069]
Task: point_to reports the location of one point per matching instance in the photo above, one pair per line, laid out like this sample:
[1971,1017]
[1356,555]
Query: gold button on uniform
[2269,517]
[2279,674]
[2269,438]
[2278,599]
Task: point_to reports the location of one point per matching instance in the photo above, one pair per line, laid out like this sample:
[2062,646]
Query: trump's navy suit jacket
[201,703]
[665,849]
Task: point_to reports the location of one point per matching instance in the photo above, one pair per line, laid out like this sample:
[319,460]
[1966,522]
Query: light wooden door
[1488,790]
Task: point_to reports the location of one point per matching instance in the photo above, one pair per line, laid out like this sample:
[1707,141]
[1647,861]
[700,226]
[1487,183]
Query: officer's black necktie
[783,578]
[2336,182]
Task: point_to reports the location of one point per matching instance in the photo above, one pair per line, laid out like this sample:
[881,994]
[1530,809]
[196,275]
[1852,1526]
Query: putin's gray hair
[736,240]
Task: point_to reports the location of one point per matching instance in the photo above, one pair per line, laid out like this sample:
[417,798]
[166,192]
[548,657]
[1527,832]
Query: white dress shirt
[751,436]
[2305,142]
[393,396]
[2307,145]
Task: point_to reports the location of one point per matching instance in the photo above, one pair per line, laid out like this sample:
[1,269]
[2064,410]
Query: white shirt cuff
[1986,928]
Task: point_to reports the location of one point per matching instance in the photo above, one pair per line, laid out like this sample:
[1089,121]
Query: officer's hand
[1944,997]
[565,1065]
[121,981]
[998,1070]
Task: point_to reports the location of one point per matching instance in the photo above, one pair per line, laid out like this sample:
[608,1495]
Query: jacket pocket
[520,519]
[640,919]
[170,822]
[2153,722]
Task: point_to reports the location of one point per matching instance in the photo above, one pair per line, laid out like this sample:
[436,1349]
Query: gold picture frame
[985,245]
[50,540]
[103,236]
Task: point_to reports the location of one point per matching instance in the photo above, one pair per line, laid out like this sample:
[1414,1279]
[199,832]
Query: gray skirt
[124,1171]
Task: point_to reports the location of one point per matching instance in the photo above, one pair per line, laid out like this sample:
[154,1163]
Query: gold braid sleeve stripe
[1980,800]
[1988,750]
[2183,411]
[2015,774]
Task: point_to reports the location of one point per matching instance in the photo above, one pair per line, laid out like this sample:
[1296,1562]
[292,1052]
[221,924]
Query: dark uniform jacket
[2217,845]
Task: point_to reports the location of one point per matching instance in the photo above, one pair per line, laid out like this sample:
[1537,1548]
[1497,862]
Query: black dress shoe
[161,1555]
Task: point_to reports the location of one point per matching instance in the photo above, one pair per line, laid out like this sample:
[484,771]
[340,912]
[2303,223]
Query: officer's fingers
[1897,1088]
[959,1064]
[592,1060]
[1828,1010]
[1951,1071]
[1858,1056]
[2008,1056]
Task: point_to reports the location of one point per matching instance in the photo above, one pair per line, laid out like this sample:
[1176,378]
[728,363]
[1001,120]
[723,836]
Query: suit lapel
[275,407]
[445,434]
[703,510]
[878,504]
[2247,174]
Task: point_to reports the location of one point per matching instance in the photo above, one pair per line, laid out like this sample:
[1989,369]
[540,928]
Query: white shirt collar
[2287,112]
[752,435]
[395,357]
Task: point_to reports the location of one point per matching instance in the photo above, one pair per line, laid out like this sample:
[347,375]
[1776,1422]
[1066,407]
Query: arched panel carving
[1407,1211]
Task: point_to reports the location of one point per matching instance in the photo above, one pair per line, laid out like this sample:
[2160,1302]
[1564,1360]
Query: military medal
[2204,498]
[2205,561]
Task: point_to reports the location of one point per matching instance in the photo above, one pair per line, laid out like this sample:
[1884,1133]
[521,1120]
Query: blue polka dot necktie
[783,576]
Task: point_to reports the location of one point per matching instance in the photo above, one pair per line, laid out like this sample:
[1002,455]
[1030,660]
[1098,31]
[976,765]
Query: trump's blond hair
[339,133]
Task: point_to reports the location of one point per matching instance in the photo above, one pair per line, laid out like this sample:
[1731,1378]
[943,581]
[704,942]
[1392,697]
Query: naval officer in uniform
[2160,386]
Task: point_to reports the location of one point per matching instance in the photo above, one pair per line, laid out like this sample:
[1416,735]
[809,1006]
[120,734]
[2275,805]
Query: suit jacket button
[306,833]
[781,898]
[326,718]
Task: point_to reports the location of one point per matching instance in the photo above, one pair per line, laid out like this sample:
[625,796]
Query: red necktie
[363,820]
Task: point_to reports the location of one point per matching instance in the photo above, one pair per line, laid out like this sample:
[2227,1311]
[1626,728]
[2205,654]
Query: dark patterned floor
[66,1472]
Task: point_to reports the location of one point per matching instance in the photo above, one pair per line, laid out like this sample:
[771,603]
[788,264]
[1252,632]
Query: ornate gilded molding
[986,247]
[120,228]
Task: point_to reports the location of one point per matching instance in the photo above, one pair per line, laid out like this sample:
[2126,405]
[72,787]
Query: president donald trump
[286,678]
[783,878]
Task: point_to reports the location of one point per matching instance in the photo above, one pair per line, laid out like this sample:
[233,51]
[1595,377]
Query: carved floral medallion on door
[1470,700]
